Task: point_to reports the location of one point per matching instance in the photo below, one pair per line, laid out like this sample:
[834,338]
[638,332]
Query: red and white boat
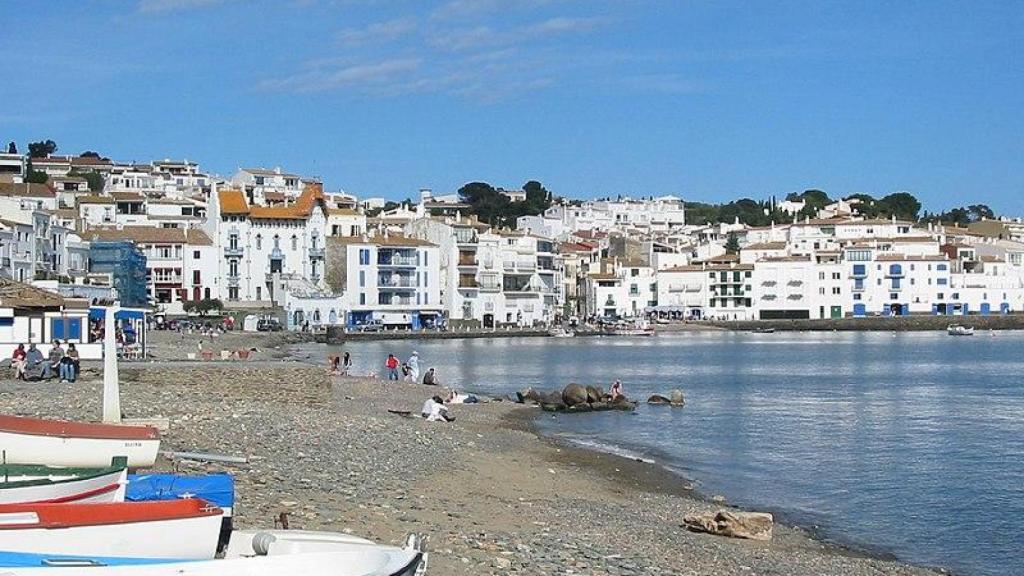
[174,529]
[31,484]
[62,443]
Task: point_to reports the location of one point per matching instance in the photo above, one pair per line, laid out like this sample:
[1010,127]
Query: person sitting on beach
[616,391]
[34,361]
[335,363]
[56,356]
[69,365]
[434,410]
[392,365]
[18,362]
[429,379]
[455,398]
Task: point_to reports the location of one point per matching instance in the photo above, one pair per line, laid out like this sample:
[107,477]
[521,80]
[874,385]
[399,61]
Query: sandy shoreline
[493,496]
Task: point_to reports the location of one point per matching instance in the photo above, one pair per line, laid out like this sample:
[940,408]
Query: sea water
[909,444]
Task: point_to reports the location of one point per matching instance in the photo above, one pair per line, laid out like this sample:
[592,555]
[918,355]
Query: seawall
[881,323]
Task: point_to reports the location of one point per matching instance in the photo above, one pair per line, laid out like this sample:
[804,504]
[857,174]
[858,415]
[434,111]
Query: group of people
[341,365]
[410,370]
[30,364]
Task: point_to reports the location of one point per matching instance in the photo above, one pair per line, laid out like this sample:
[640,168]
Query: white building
[623,289]
[257,244]
[255,183]
[391,280]
[182,263]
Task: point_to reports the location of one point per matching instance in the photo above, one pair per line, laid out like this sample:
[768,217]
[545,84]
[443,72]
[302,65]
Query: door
[837,312]
[488,320]
[859,310]
[985,308]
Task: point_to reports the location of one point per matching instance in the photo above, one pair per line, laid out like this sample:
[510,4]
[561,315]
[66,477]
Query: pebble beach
[490,494]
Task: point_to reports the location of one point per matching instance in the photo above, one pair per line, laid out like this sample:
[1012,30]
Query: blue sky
[710,100]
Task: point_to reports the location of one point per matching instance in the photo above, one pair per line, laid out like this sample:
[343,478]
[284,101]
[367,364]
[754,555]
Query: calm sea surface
[911,444]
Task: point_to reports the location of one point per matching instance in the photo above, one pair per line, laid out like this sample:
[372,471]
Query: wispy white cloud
[479,37]
[379,32]
[367,77]
[469,9]
[152,6]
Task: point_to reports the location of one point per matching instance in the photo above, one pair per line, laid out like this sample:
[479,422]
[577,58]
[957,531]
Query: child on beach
[392,366]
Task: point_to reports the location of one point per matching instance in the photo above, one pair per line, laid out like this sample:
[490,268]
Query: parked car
[371,326]
[269,325]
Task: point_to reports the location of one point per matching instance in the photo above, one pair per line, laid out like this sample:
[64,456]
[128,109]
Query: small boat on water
[78,444]
[560,333]
[959,330]
[251,553]
[630,329]
[32,484]
[767,330]
[185,529]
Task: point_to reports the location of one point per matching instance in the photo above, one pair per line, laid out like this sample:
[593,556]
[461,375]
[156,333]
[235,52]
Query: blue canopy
[217,489]
[123,314]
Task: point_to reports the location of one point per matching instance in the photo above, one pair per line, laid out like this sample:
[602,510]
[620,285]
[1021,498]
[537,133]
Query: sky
[707,100]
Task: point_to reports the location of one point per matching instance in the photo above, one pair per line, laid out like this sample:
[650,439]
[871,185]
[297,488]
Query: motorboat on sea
[960,330]
[186,529]
[78,444]
[33,484]
[250,553]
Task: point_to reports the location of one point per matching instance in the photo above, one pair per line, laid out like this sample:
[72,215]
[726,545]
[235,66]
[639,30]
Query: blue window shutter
[75,328]
[57,328]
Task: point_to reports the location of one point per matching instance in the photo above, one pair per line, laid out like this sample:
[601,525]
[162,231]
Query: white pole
[111,383]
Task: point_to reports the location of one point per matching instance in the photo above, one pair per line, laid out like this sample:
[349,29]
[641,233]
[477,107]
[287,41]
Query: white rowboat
[61,443]
[177,530]
[23,484]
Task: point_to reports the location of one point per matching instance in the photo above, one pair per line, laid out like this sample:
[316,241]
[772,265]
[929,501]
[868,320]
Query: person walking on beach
[346,364]
[414,367]
[392,365]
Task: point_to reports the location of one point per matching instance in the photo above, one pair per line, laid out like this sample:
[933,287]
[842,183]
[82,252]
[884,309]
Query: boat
[763,330]
[625,329]
[32,484]
[959,330]
[251,553]
[217,489]
[185,529]
[75,444]
[560,333]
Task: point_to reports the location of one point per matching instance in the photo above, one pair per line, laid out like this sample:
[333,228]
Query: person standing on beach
[392,365]
[346,364]
[414,367]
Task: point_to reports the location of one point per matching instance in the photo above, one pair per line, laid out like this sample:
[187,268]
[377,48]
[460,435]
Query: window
[941,281]
[835,290]
[362,278]
[859,269]
[259,242]
[233,241]
[940,296]
[836,275]
[940,267]
[259,292]
[894,296]
[233,268]
[856,296]
[633,290]
[364,256]
[955,296]
[634,272]
[295,242]
[195,254]
[362,299]
[196,277]
[277,242]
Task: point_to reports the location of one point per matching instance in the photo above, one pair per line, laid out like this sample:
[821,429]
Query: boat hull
[183,530]
[60,443]
[98,487]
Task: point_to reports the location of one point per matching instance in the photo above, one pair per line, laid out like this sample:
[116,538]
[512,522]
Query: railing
[490,287]
[397,261]
[396,302]
[468,284]
[467,261]
[233,280]
[316,252]
[236,251]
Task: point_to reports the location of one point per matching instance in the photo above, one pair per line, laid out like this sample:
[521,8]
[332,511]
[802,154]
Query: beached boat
[251,553]
[79,444]
[958,330]
[763,330]
[624,329]
[29,484]
[560,333]
[178,529]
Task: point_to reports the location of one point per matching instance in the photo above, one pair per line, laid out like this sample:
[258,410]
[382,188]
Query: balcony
[396,301]
[467,260]
[862,274]
[396,282]
[469,284]
[233,280]
[236,251]
[316,253]
[398,261]
[769,283]
[894,273]
[490,287]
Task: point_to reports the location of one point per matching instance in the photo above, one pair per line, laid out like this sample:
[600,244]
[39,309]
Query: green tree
[732,244]
[41,149]
[90,154]
[486,202]
[902,205]
[36,177]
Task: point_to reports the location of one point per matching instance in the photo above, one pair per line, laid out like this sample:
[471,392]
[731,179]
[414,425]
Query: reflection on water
[909,443]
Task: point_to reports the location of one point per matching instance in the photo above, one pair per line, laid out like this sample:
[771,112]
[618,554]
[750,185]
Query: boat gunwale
[83,515]
[28,426]
[74,475]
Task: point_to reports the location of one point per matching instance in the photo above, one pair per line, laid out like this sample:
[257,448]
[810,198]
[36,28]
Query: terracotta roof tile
[149,235]
[232,201]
